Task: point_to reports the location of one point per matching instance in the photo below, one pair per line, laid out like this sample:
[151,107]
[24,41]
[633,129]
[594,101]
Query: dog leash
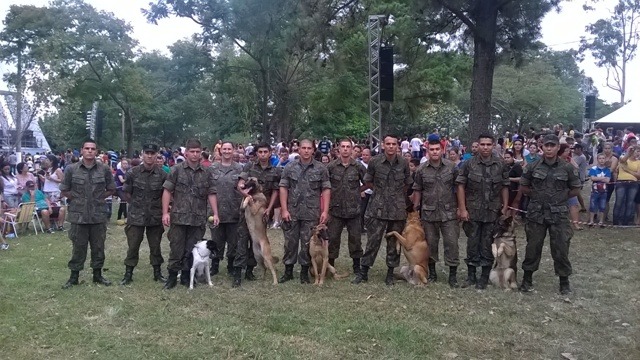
[587,223]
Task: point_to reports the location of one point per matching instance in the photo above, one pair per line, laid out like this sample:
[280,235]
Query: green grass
[39,320]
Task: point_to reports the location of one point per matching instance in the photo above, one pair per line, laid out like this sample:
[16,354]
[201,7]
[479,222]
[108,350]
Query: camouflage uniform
[548,211]
[87,211]
[269,179]
[483,182]
[387,210]
[229,201]
[344,206]
[304,184]
[145,212]
[439,208]
[190,188]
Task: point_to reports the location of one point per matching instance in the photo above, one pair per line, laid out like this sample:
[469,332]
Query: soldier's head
[306,150]
[193,151]
[89,150]
[263,152]
[149,152]
[434,148]
[485,145]
[346,149]
[550,146]
[390,145]
[227,151]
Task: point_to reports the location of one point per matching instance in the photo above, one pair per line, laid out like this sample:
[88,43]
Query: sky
[560,31]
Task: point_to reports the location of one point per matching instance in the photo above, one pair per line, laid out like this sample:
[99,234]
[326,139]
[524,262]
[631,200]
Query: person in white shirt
[405,145]
[416,144]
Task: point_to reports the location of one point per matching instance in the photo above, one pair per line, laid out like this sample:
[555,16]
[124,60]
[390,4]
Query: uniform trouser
[182,238]
[363,207]
[559,239]
[225,234]
[135,235]
[450,233]
[83,235]
[376,230]
[354,231]
[479,240]
[244,249]
[298,234]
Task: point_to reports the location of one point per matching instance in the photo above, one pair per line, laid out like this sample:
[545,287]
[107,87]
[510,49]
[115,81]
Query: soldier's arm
[368,177]
[127,186]
[574,182]
[111,184]
[284,194]
[65,185]
[416,196]
[461,180]
[242,178]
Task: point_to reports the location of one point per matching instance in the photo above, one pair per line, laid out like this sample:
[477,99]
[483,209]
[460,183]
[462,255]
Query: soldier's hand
[285,215]
[463,215]
[216,220]
[324,217]
[166,219]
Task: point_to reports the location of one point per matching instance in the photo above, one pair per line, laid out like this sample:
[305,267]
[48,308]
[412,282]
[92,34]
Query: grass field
[39,320]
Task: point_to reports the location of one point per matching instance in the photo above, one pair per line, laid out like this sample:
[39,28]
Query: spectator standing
[10,193]
[13,161]
[626,188]
[416,147]
[23,177]
[120,178]
[600,175]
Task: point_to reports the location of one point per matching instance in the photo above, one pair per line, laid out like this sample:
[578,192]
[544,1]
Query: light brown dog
[254,208]
[415,248]
[505,252]
[319,254]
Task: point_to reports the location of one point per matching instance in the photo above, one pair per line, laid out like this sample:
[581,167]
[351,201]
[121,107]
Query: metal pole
[374,26]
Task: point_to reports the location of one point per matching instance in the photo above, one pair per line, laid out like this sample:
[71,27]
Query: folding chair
[26,214]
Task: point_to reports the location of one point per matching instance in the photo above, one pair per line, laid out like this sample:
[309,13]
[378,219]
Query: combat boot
[172,280]
[230,268]
[157,274]
[484,278]
[237,277]
[215,266]
[99,279]
[356,266]
[128,276]
[73,280]
[527,282]
[565,288]
[390,280]
[453,277]
[433,276]
[248,275]
[471,277]
[288,274]
[185,278]
[361,276]
[304,274]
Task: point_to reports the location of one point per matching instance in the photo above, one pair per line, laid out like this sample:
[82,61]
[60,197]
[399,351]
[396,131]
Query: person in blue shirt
[600,175]
[533,154]
[44,208]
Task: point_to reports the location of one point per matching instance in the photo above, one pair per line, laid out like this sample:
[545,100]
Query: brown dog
[505,252]
[319,254]
[254,208]
[415,248]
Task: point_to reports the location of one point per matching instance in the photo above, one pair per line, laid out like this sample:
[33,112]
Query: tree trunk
[265,101]
[129,131]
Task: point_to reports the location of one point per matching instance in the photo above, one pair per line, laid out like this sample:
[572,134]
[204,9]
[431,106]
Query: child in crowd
[600,175]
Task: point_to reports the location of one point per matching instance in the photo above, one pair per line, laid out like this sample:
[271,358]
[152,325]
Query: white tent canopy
[628,114]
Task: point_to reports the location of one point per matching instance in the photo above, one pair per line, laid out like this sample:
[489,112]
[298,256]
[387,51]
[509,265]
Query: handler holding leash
[190,186]
[142,190]
[302,183]
[549,182]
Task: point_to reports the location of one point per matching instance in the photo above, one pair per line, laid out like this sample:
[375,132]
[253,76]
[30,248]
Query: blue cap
[433,138]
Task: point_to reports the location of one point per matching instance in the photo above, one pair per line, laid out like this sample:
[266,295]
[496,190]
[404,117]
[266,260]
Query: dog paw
[190,287]
[210,284]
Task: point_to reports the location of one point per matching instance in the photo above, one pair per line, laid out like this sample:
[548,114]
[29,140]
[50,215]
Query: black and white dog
[202,252]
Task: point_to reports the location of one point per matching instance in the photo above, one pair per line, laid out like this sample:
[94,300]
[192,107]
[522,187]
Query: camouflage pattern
[389,179]
[182,239]
[83,235]
[345,188]
[223,234]
[436,185]
[376,229]
[483,184]
[304,184]
[229,198]
[244,249]
[298,235]
[135,235]
[450,234]
[479,240]
[550,183]
[268,178]
[354,239]
[145,189]
[88,187]
[191,189]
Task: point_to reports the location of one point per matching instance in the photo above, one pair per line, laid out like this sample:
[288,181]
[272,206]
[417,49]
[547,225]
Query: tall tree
[613,43]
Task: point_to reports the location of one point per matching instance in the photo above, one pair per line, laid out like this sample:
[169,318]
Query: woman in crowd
[518,152]
[119,180]
[454,156]
[51,176]
[23,176]
[626,188]
[325,159]
[44,208]
[533,154]
[515,172]
[10,184]
[573,203]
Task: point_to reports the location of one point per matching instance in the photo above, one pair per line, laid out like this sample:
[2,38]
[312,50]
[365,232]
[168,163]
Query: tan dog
[505,252]
[254,208]
[319,254]
[415,248]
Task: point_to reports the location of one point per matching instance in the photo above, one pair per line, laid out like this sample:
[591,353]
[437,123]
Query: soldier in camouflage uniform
[87,183]
[225,175]
[142,190]
[269,178]
[389,176]
[303,183]
[549,182]
[434,184]
[346,175]
[483,195]
[190,186]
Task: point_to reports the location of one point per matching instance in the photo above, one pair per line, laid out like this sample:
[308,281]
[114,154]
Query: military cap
[150,147]
[551,139]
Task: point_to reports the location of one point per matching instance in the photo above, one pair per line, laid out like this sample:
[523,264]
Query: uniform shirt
[436,185]
[229,198]
[550,183]
[345,188]
[483,182]
[191,189]
[145,188]
[305,184]
[88,187]
[268,178]
[389,178]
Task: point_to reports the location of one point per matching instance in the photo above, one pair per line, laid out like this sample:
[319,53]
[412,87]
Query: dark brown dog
[415,248]
[505,252]
[319,254]
[254,208]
